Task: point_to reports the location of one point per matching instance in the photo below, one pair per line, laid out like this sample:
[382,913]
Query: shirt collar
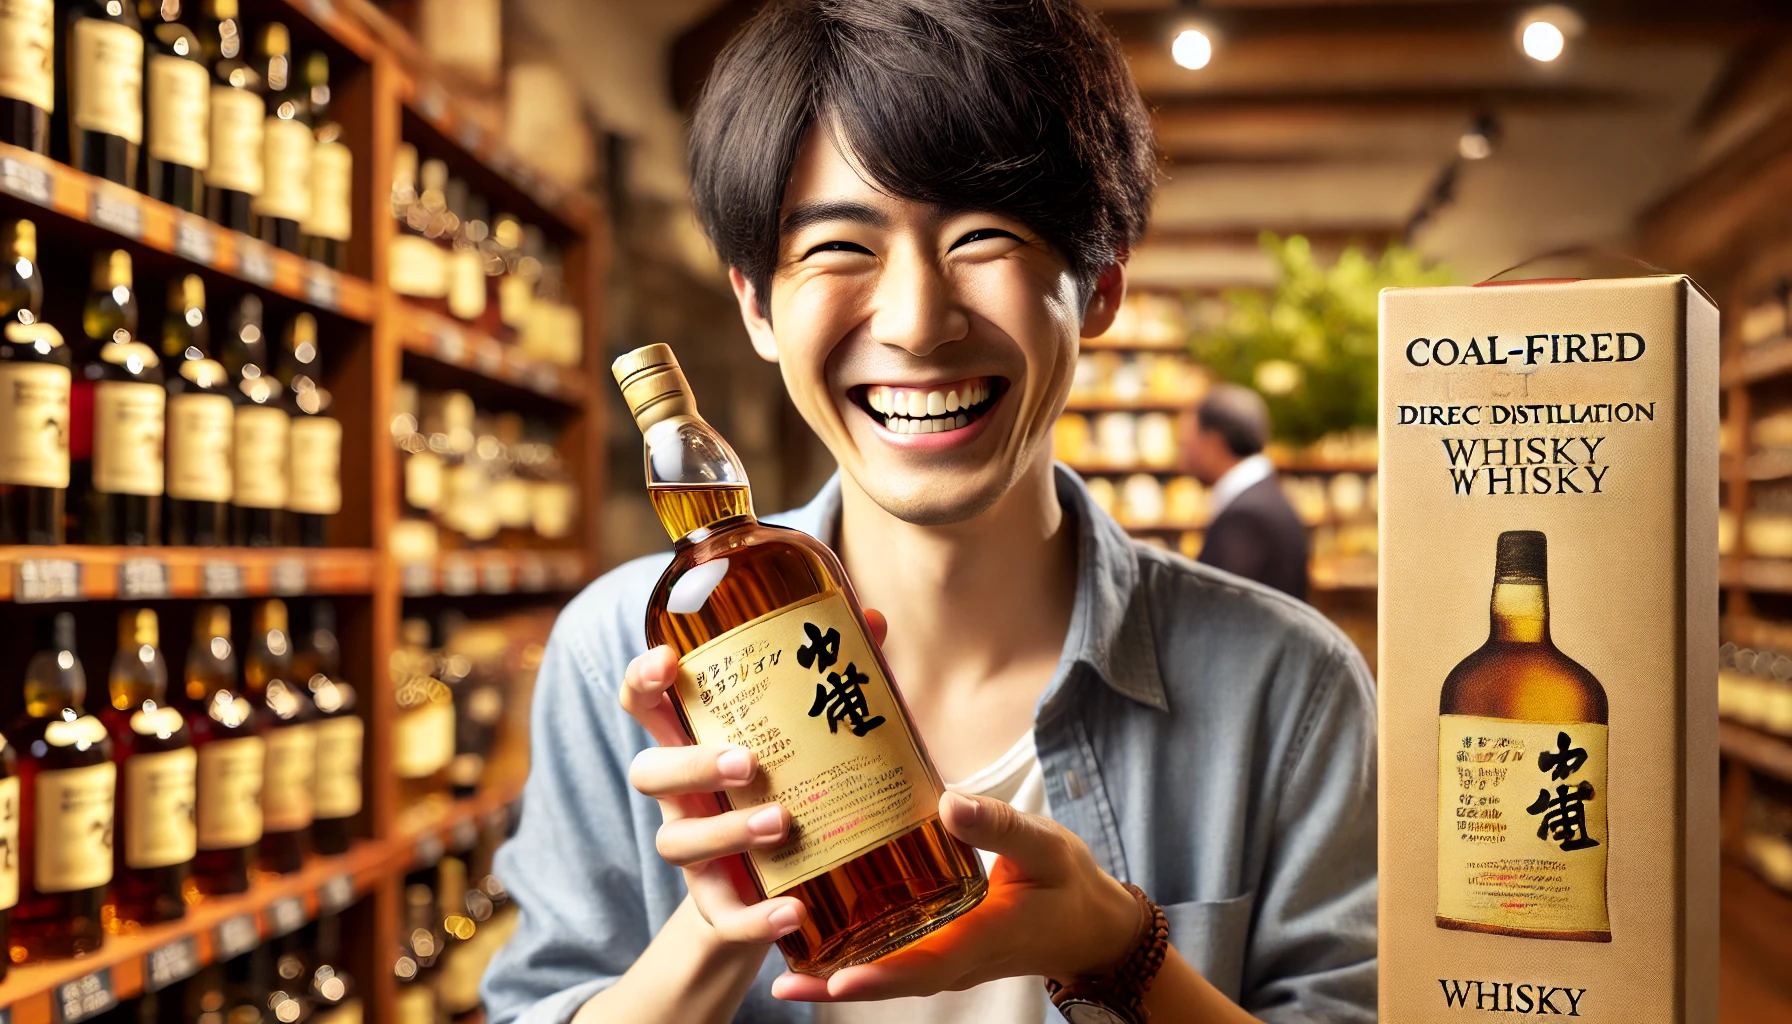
[1110,626]
[1248,473]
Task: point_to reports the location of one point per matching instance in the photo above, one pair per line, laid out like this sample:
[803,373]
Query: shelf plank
[74,572]
[135,217]
[433,336]
[1758,362]
[460,573]
[1770,575]
[1762,751]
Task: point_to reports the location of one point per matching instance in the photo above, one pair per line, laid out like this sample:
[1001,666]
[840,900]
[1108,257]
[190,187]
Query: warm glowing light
[1192,49]
[1543,41]
[1474,146]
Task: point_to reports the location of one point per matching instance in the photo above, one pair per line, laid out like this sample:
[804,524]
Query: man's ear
[759,327]
[1104,299]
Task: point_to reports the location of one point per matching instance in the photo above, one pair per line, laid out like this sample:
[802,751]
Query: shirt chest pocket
[1212,935]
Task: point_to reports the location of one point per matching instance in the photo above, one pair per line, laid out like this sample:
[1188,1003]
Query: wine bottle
[233,173]
[117,460]
[9,846]
[331,224]
[179,87]
[104,86]
[318,661]
[423,733]
[27,73]
[287,799]
[227,730]
[314,491]
[262,428]
[35,381]
[158,782]
[67,780]
[285,199]
[200,422]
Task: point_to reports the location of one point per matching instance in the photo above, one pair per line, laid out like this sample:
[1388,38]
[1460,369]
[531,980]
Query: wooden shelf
[129,215]
[1762,751]
[1310,467]
[459,573]
[75,572]
[438,338]
[1758,362]
[1160,347]
[1771,575]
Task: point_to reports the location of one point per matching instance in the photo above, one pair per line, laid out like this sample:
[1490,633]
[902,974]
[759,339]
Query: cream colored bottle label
[347,1012]
[338,786]
[286,795]
[332,192]
[423,480]
[230,774]
[235,159]
[423,739]
[9,842]
[27,61]
[160,791]
[127,437]
[286,170]
[515,295]
[416,266]
[179,101]
[316,477]
[74,828]
[34,424]
[261,439]
[801,687]
[466,284]
[416,1004]
[199,441]
[107,78]
[1521,840]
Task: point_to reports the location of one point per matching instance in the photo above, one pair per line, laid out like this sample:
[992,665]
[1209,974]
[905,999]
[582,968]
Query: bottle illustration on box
[1522,798]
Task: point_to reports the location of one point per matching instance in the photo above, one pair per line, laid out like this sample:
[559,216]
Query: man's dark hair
[1238,415]
[1019,107]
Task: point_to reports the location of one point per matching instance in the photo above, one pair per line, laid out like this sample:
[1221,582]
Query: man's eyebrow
[819,210]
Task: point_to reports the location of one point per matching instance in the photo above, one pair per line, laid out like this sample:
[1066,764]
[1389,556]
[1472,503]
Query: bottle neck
[1520,612]
[694,479]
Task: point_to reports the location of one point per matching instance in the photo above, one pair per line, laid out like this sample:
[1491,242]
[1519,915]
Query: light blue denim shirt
[1213,742]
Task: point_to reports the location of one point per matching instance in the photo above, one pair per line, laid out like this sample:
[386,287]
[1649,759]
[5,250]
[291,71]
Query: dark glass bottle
[262,428]
[289,993]
[317,660]
[179,92]
[314,491]
[418,966]
[285,199]
[35,380]
[287,801]
[119,468]
[9,847]
[28,89]
[157,782]
[333,991]
[201,423]
[103,85]
[227,732]
[67,781]
[331,224]
[233,174]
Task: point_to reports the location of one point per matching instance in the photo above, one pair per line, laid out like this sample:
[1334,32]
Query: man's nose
[917,308]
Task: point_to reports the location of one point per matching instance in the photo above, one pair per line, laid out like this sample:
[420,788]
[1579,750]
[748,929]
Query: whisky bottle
[286,794]
[201,422]
[233,173]
[767,628]
[179,87]
[67,780]
[314,485]
[285,199]
[28,78]
[157,782]
[418,967]
[1521,842]
[457,986]
[331,224]
[116,448]
[333,990]
[478,708]
[423,733]
[227,730]
[337,788]
[289,997]
[35,381]
[9,847]
[104,88]
[262,431]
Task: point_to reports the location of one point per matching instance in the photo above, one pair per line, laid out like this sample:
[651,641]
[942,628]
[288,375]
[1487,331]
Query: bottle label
[1521,842]
[286,170]
[339,766]
[199,440]
[9,842]
[74,828]
[804,690]
[510,501]
[235,162]
[230,793]
[423,739]
[552,505]
[332,192]
[515,294]
[423,481]
[179,91]
[261,439]
[466,284]
[107,78]
[347,1012]
[27,34]
[316,484]
[286,796]
[416,266]
[416,1003]
[127,432]
[160,793]
[34,424]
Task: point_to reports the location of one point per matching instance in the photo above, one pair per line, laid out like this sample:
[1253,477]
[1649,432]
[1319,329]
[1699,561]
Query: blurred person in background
[1254,532]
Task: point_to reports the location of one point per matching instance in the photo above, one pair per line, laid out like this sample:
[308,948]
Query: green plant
[1308,343]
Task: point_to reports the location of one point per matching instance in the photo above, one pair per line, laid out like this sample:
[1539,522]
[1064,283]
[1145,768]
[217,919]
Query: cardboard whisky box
[1548,652]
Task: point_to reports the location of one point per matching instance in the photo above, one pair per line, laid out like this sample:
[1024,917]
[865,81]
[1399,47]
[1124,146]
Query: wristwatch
[1118,997]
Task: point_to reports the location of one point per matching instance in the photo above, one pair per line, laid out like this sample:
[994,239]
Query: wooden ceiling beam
[1324,236]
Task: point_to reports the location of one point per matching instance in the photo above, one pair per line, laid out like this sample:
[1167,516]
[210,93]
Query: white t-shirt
[1015,777]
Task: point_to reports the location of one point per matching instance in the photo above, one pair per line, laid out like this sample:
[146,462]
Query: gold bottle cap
[274,39]
[653,385]
[211,620]
[270,615]
[20,239]
[187,292]
[137,627]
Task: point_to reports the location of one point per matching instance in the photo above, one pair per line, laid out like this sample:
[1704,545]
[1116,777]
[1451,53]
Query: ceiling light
[1544,32]
[1192,49]
[1543,41]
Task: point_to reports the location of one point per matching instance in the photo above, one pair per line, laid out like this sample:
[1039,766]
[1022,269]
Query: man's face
[1205,454]
[930,349]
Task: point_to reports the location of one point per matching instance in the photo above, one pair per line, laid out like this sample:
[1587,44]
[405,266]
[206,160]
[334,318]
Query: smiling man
[924,205]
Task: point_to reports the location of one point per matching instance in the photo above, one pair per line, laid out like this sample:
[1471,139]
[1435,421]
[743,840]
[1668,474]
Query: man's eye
[837,246]
[983,234]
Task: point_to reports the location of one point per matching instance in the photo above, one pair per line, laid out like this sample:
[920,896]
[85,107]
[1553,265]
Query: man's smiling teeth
[929,410]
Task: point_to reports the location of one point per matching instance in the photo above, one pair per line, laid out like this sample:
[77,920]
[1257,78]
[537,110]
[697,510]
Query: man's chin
[938,499]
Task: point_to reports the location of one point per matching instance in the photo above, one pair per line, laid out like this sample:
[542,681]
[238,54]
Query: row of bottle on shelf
[1159,377]
[1143,500]
[112,440]
[1754,687]
[243,135]
[1768,319]
[456,916]
[473,478]
[498,274]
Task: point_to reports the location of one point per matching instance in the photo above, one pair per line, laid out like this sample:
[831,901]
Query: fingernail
[768,822]
[965,809]
[735,763]
[785,920]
